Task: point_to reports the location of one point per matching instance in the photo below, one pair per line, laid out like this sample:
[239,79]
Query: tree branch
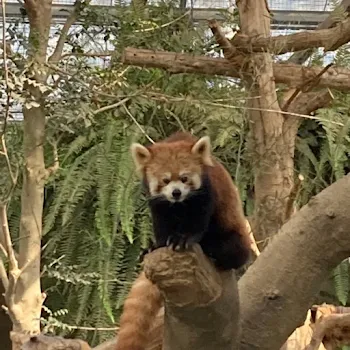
[196,298]
[253,245]
[286,73]
[88,54]
[302,254]
[330,39]
[228,49]
[301,56]
[55,57]
[7,238]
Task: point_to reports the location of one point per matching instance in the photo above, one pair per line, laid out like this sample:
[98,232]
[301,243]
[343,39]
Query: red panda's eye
[184,179]
[166,181]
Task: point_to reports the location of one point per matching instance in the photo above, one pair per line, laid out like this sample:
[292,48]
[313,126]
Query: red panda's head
[173,169]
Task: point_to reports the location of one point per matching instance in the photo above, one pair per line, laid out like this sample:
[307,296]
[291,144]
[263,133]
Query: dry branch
[225,44]
[196,297]
[286,73]
[280,286]
[330,39]
[253,245]
[305,103]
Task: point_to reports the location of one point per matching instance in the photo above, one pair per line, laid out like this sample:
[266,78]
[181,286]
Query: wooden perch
[197,297]
[286,73]
[280,286]
[43,342]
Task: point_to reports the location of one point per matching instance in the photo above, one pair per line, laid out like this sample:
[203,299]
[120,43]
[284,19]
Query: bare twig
[225,44]
[253,245]
[163,97]
[101,329]
[6,232]
[5,154]
[314,81]
[112,106]
[88,54]
[137,123]
[289,97]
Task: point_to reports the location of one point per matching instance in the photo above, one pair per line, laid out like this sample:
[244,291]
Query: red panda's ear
[203,148]
[140,154]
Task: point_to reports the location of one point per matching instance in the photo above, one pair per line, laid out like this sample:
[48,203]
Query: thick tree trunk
[280,286]
[273,153]
[26,303]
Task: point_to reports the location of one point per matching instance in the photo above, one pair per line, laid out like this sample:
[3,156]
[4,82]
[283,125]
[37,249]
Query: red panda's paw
[144,252]
[178,242]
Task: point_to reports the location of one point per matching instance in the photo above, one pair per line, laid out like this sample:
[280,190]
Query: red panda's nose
[176,193]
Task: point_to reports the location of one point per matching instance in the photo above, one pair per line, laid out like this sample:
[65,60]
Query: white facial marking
[153,186]
[168,191]
[196,181]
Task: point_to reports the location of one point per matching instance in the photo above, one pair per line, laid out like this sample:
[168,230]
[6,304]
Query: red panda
[192,200]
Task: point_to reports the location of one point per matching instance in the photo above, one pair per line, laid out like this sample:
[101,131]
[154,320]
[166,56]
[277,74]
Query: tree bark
[272,156]
[201,304]
[329,39]
[289,74]
[280,286]
[27,300]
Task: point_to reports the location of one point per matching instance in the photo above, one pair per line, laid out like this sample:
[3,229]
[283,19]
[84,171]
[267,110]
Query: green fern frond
[341,281]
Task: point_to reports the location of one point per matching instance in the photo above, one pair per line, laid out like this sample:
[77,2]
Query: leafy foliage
[96,221]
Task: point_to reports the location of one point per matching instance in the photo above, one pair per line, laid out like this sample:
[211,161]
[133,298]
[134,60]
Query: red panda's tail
[140,309]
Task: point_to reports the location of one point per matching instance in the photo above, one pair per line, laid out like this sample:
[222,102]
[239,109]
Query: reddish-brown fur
[140,309]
